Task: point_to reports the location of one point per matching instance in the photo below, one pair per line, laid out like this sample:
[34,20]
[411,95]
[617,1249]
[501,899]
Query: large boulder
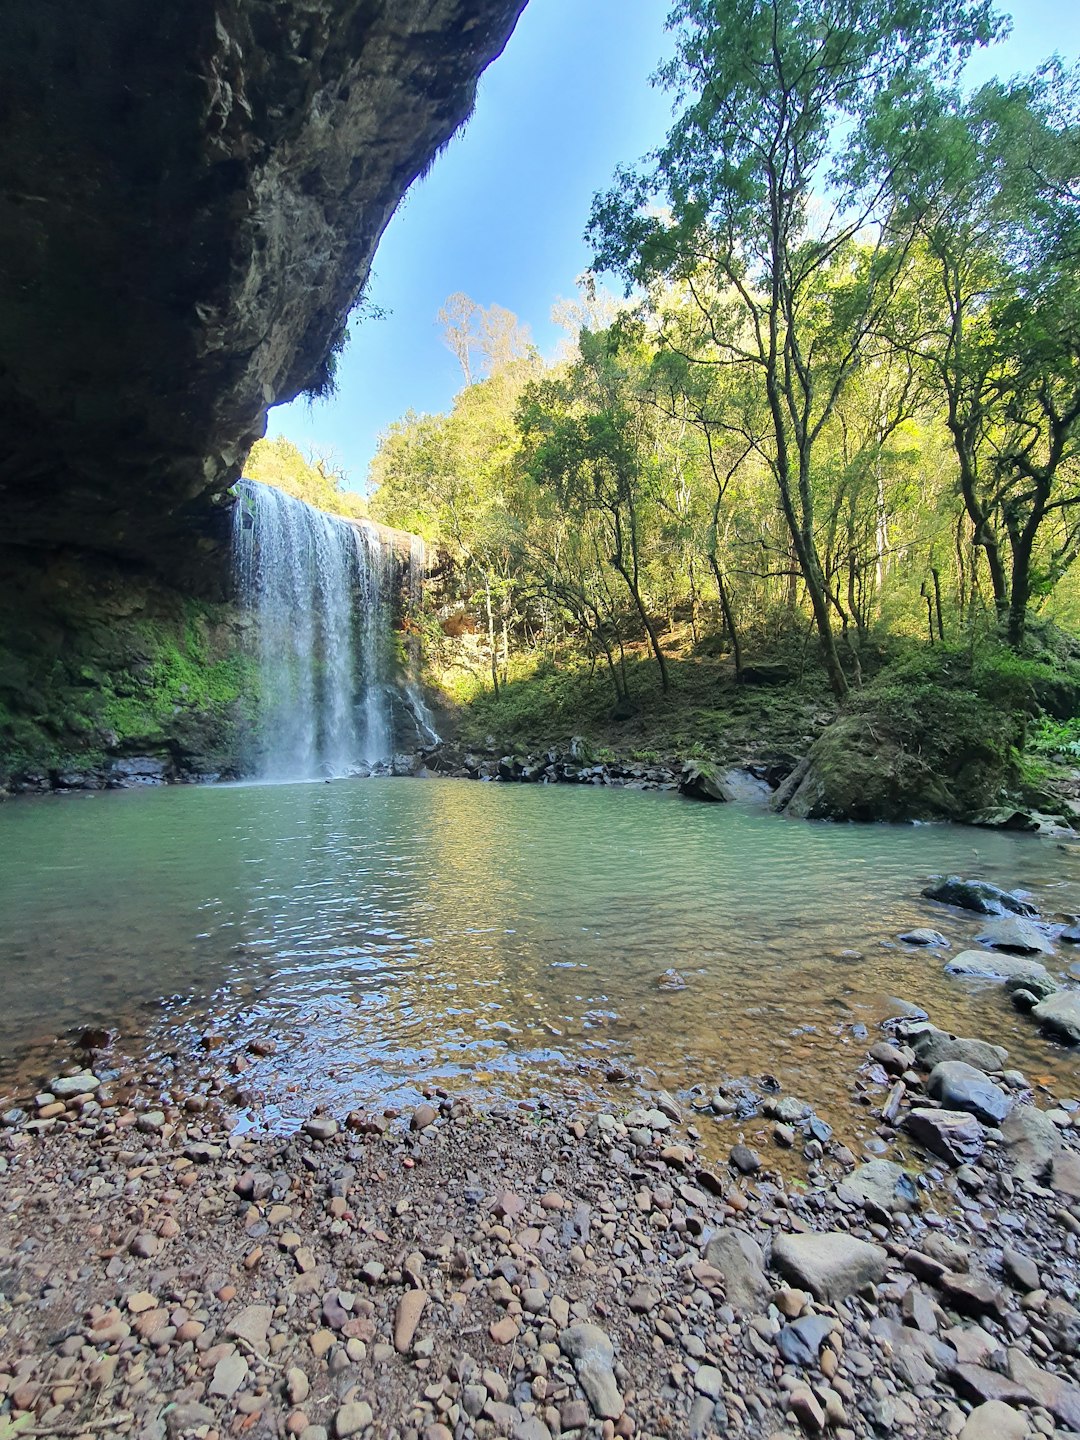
[738,1258]
[995,965]
[932,1046]
[702,782]
[963,1087]
[981,896]
[831,1264]
[853,773]
[954,1135]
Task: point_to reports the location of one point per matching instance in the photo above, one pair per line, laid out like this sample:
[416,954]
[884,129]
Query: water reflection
[393,932]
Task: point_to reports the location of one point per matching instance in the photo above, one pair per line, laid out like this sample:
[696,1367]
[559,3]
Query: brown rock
[409,1310]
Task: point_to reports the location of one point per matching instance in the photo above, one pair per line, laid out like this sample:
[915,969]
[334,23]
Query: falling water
[318,588]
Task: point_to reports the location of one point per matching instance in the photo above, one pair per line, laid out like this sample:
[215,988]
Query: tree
[991,184]
[484,341]
[770,90]
[587,438]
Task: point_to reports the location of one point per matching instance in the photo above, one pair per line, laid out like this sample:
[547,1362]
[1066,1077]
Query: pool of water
[392,933]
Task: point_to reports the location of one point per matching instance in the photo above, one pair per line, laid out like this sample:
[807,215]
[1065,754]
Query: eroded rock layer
[190,197]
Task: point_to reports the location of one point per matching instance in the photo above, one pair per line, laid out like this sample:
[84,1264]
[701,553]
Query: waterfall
[318,589]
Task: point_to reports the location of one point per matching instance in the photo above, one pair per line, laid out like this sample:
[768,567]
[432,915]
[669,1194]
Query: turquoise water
[388,933]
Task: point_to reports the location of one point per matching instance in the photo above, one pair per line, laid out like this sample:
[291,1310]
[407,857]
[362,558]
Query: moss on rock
[99,664]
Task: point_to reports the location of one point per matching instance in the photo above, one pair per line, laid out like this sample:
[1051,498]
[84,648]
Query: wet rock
[890,1057]
[423,1116]
[1027,991]
[923,936]
[745,1160]
[739,1259]
[996,965]
[994,1420]
[932,1046]
[800,1341]
[981,896]
[789,1110]
[701,782]
[963,1087]
[321,1127]
[1019,937]
[832,1264]
[670,980]
[594,1357]
[954,1135]
[881,1184]
[1060,1014]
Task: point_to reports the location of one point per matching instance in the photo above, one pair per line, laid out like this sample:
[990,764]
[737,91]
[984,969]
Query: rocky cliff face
[190,196]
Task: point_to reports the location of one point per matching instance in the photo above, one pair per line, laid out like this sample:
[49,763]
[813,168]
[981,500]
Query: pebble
[352,1419]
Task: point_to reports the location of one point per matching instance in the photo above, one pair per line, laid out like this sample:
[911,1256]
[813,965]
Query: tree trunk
[650,629]
[726,611]
[493,654]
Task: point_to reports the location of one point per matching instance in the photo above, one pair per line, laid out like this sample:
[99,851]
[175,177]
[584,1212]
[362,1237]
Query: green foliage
[1056,737]
[278,462]
[120,669]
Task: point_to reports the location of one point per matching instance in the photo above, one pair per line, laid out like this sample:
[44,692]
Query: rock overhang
[190,198]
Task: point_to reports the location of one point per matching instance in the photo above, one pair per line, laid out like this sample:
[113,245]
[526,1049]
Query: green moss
[103,663]
[704,714]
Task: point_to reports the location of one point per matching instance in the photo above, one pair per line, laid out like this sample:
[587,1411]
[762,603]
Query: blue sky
[501,214]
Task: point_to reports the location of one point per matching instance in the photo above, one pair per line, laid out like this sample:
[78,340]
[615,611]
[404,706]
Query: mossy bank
[964,733]
[109,676]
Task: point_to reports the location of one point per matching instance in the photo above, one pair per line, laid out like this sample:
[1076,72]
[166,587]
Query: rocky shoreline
[536,1270]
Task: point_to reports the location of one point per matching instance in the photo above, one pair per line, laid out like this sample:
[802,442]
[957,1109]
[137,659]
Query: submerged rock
[924,936]
[993,965]
[981,896]
[1016,935]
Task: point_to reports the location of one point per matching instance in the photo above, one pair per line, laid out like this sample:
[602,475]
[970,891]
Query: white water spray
[318,588]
